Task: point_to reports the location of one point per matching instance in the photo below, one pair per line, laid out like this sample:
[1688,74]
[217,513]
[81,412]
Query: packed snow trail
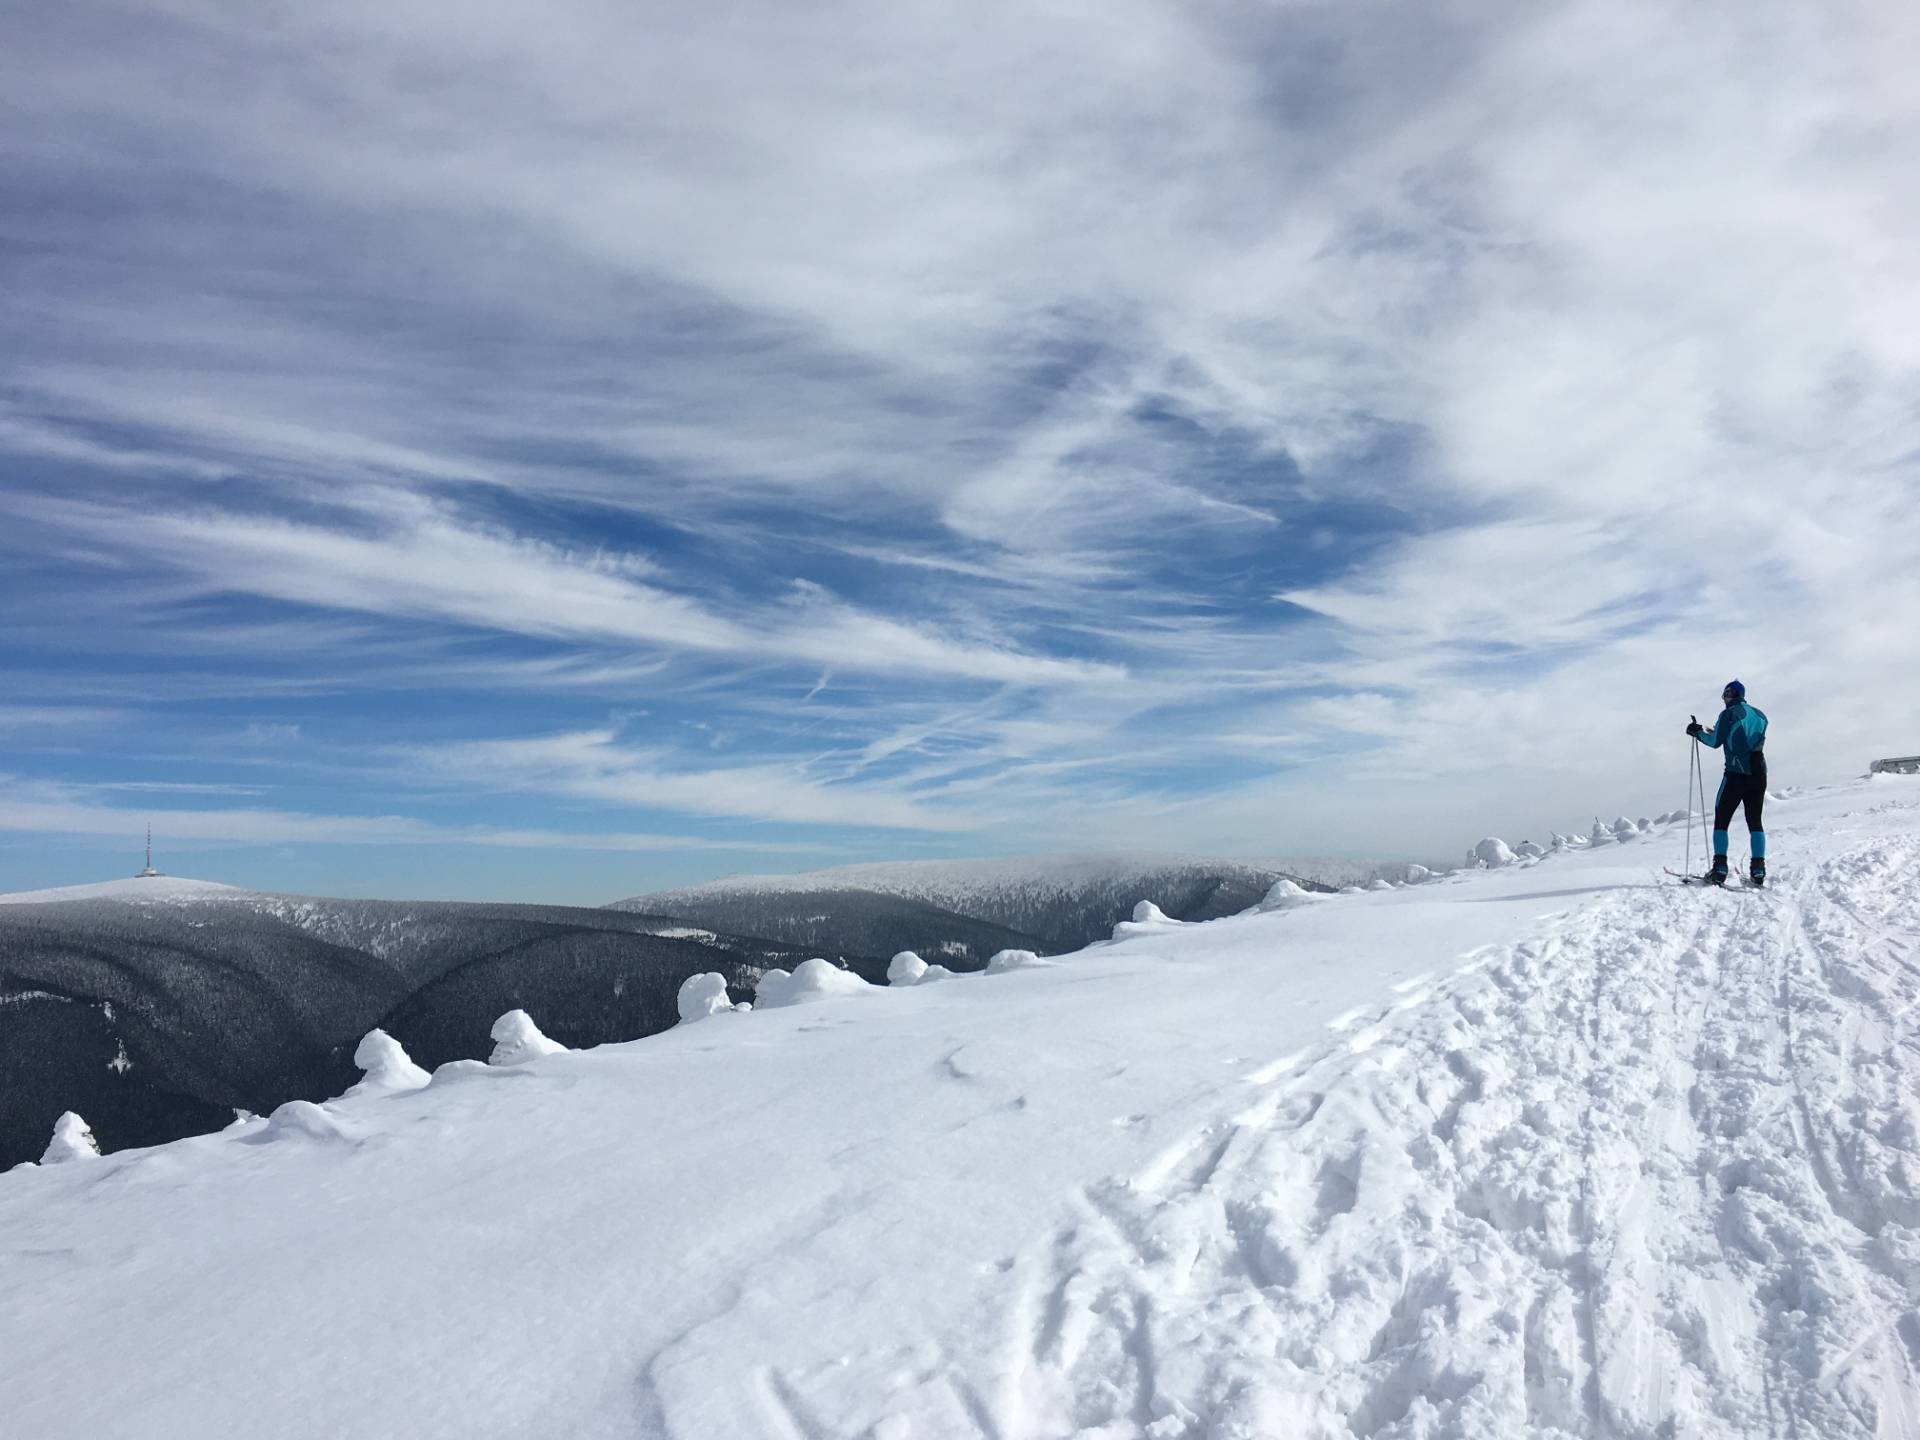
[1647,1173]
[1561,1149]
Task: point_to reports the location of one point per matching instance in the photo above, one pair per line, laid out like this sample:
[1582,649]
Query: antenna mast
[149,873]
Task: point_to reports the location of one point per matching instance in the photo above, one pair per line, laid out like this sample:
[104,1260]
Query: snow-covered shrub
[703,995]
[1416,874]
[1600,834]
[1284,894]
[811,980]
[1005,960]
[1490,854]
[516,1040]
[935,972]
[1379,882]
[906,968]
[1623,827]
[1529,850]
[72,1140]
[386,1066]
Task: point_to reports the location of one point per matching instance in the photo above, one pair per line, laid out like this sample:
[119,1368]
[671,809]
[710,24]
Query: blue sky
[463,453]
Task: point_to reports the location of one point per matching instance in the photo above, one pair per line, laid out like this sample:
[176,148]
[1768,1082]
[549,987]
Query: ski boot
[1718,874]
[1757,872]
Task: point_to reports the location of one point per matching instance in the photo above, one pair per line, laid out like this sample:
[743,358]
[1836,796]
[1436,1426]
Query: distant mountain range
[1046,903]
[157,1007]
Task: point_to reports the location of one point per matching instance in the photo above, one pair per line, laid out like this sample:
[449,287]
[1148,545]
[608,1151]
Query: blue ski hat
[1735,689]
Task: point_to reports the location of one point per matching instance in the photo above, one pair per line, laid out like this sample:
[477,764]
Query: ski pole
[1700,780]
[1693,759]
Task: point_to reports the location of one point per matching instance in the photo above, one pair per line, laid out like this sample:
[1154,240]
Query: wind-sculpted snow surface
[1556,1149]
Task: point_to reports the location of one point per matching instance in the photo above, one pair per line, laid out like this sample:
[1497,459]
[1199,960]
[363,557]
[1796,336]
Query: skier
[1741,733]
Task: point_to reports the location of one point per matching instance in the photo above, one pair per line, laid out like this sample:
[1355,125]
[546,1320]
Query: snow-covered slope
[1555,1149]
[153,889]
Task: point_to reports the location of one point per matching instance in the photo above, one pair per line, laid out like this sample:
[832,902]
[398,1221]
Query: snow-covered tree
[516,1040]
[906,968]
[386,1066]
[1490,854]
[703,995]
[72,1140]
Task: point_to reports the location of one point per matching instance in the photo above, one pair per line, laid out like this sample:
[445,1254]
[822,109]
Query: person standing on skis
[1741,734]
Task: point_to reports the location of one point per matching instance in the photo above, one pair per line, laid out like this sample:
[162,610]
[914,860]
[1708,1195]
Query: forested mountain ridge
[158,1008]
[1057,903]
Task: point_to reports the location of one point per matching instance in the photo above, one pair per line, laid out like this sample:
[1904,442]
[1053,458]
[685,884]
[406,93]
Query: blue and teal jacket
[1742,731]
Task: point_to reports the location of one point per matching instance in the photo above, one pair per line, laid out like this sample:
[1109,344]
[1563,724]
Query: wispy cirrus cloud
[399,555]
[596,765]
[1115,400]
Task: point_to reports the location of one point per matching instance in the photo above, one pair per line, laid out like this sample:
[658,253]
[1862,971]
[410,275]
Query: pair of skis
[1732,882]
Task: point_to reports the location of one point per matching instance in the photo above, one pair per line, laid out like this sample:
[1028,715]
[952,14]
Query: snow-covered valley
[1559,1148]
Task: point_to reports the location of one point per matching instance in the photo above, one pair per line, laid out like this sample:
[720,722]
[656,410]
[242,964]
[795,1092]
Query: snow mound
[1379,882]
[1416,874]
[301,1120]
[1005,960]
[811,980]
[1529,850]
[1491,854]
[906,968]
[386,1066]
[72,1140]
[516,1040]
[1600,834]
[1285,895]
[703,995]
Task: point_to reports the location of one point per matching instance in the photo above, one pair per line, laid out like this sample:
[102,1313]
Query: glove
[1696,729]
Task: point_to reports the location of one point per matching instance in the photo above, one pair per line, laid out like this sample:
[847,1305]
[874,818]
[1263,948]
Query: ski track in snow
[1636,1175]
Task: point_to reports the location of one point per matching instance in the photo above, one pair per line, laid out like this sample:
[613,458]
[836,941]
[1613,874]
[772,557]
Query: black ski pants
[1738,791]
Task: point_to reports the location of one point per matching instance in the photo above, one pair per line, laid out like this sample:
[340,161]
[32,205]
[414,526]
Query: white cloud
[1636,283]
[34,807]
